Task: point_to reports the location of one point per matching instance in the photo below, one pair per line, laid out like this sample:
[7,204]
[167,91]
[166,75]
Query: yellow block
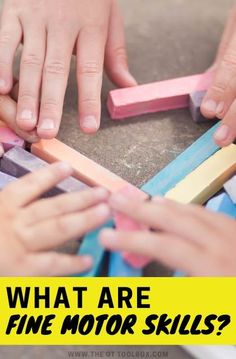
[207,179]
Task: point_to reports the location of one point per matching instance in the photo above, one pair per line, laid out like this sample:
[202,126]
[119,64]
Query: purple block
[9,139]
[17,162]
[195,101]
[5,180]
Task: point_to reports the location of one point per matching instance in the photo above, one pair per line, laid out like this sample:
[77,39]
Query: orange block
[86,170]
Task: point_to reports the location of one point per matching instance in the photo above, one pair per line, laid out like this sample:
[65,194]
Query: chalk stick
[165,180]
[124,223]
[9,139]
[157,96]
[222,204]
[183,165]
[230,187]
[91,246]
[207,179]
[5,179]
[85,169]
[195,102]
[17,162]
[119,268]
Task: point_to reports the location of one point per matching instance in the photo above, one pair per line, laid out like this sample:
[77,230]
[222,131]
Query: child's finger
[213,102]
[30,76]
[10,38]
[168,216]
[90,60]
[116,62]
[31,186]
[56,231]
[55,77]
[60,205]
[169,249]
[55,264]
[8,115]
[226,133]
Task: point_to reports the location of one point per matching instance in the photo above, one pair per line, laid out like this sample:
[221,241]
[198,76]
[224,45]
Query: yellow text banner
[117,311]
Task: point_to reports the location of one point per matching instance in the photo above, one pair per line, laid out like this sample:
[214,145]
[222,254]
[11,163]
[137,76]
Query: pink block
[9,139]
[157,96]
[124,223]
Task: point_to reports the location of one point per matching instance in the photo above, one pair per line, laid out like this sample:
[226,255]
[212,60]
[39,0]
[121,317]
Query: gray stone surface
[166,39]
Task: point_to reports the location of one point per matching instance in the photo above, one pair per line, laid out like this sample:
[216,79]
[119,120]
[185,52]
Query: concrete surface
[166,39]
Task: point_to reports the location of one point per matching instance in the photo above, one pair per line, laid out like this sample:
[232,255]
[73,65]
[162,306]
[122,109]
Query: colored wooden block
[155,97]
[165,180]
[230,187]
[5,180]
[9,139]
[85,169]
[195,102]
[222,204]
[207,179]
[17,162]
[91,246]
[183,165]
[124,223]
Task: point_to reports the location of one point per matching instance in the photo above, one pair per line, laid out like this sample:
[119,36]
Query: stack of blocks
[194,177]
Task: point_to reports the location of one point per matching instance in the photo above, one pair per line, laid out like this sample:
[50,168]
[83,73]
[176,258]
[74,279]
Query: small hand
[188,238]
[31,228]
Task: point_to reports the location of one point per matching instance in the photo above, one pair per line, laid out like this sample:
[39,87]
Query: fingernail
[222,133]
[108,237]
[64,166]
[159,199]
[118,199]
[3,84]
[90,123]
[26,115]
[210,105]
[47,125]
[103,211]
[220,108]
[101,193]
[87,260]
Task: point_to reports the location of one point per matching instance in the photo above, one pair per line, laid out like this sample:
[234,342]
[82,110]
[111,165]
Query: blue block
[183,165]
[168,178]
[91,246]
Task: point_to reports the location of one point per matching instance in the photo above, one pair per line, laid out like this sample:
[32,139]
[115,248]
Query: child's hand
[220,100]
[51,30]
[188,238]
[31,228]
